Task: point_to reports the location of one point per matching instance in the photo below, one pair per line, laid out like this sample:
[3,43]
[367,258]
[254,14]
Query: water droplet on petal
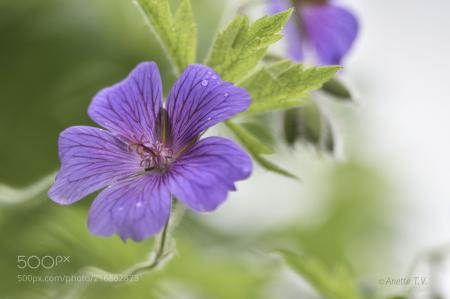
[120,209]
[138,204]
[204,83]
[209,118]
[214,77]
[226,94]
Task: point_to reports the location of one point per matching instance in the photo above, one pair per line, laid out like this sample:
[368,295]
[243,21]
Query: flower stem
[11,195]
[159,252]
[163,249]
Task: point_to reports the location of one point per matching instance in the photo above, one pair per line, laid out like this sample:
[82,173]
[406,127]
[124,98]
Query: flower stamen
[155,157]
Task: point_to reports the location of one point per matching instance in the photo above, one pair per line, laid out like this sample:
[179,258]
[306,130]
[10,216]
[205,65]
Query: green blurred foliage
[336,284]
[54,230]
[353,229]
[54,56]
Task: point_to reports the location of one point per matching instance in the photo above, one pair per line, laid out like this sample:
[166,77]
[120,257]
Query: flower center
[154,157]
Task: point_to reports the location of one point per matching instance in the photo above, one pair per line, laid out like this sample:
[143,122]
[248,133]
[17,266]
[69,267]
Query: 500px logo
[46,262]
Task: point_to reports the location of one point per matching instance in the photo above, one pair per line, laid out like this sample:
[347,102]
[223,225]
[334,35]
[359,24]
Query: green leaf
[336,88]
[253,144]
[177,33]
[266,164]
[256,148]
[241,46]
[291,126]
[258,128]
[337,284]
[310,125]
[284,85]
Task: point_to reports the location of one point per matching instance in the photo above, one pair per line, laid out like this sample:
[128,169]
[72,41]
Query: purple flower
[151,152]
[325,28]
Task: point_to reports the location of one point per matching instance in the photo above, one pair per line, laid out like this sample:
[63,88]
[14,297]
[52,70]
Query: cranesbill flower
[150,151]
[328,30]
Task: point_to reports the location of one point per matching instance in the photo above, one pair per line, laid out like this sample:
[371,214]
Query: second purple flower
[322,26]
[151,151]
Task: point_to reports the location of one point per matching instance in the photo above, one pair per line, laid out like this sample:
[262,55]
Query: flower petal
[134,209]
[130,108]
[292,30]
[91,159]
[202,176]
[331,31]
[200,99]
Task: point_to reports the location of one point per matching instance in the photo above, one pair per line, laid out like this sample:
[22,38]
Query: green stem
[11,195]
[159,254]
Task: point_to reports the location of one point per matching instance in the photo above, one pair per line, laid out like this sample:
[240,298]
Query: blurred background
[381,209]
